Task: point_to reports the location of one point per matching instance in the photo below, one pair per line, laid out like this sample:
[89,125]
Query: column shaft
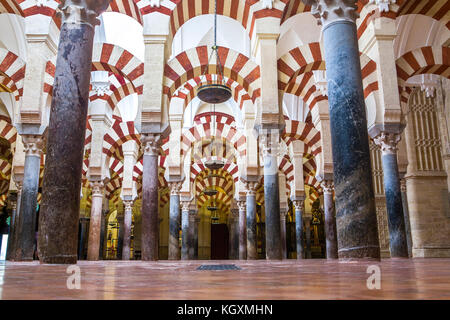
[406,216]
[150,224]
[308,237]
[197,220]
[299,230]
[185,234]
[252,253]
[26,233]
[95,223]
[355,202]
[60,207]
[128,220]
[330,221]
[174,227]
[242,233]
[396,221]
[283,236]
[10,248]
[191,249]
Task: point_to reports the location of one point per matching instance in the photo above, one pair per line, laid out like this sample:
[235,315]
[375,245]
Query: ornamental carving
[329,11]
[82,11]
[150,144]
[387,142]
[175,187]
[327,186]
[33,145]
[298,204]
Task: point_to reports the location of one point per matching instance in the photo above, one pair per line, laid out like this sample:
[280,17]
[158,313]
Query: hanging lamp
[217,91]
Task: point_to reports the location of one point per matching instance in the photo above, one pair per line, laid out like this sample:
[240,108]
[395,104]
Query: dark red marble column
[58,219]
[150,224]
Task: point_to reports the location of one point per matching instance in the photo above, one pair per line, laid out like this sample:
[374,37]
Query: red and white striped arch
[11,6]
[119,133]
[199,166]
[222,130]
[313,182]
[297,130]
[436,9]
[5,169]
[431,60]
[13,68]
[112,58]
[287,168]
[127,7]
[194,62]
[189,90]
[8,132]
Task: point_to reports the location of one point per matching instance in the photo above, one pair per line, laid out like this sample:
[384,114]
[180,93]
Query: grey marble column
[242,229]
[299,205]
[174,220]
[95,220]
[356,218]
[10,249]
[185,229]
[307,221]
[60,206]
[283,213]
[150,226]
[84,224]
[28,201]
[120,221]
[15,239]
[191,244]
[103,227]
[406,216]
[251,187]
[394,206]
[234,244]
[128,221]
[269,140]
[197,221]
[330,220]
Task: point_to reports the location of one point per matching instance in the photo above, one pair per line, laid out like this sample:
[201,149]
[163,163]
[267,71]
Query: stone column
[103,232]
[197,221]
[185,229]
[394,206]
[298,205]
[406,216]
[269,142]
[150,225]
[14,240]
[128,221]
[242,230]
[191,242]
[95,220]
[357,232]
[307,221]
[13,200]
[330,220]
[174,220]
[120,220]
[283,213]
[60,205]
[26,231]
[234,234]
[82,236]
[251,187]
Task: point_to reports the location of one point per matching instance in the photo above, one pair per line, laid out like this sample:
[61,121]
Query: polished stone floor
[308,279]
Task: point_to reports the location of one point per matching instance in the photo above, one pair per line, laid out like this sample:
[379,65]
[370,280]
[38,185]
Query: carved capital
[269,143]
[298,204]
[128,204]
[175,187]
[185,205]
[387,142]
[242,205]
[82,11]
[329,11]
[403,185]
[267,4]
[251,187]
[327,186]
[97,188]
[33,145]
[19,185]
[383,5]
[235,213]
[150,144]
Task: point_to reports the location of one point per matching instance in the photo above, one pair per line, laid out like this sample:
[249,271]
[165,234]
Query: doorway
[219,241]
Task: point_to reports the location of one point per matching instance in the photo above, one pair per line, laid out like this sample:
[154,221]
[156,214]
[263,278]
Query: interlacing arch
[198,167]
[431,60]
[436,9]
[298,130]
[189,90]
[8,132]
[12,7]
[195,62]
[220,180]
[126,7]
[222,131]
[119,133]
[12,68]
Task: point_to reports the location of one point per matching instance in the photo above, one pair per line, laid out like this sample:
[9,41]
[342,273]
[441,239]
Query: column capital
[269,141]
[185,205]
[327,186]
[33,145]
[19,185]
[298,204]
[403,185]
[241,205]
[82,11]
[388,142]
[250,187]
[175,187]
[235,213]
[128,204]
[150,143]
[327,11]
[97,188]
[283,213]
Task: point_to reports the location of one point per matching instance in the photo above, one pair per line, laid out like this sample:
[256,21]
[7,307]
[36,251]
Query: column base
[59,260]
[370,253]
